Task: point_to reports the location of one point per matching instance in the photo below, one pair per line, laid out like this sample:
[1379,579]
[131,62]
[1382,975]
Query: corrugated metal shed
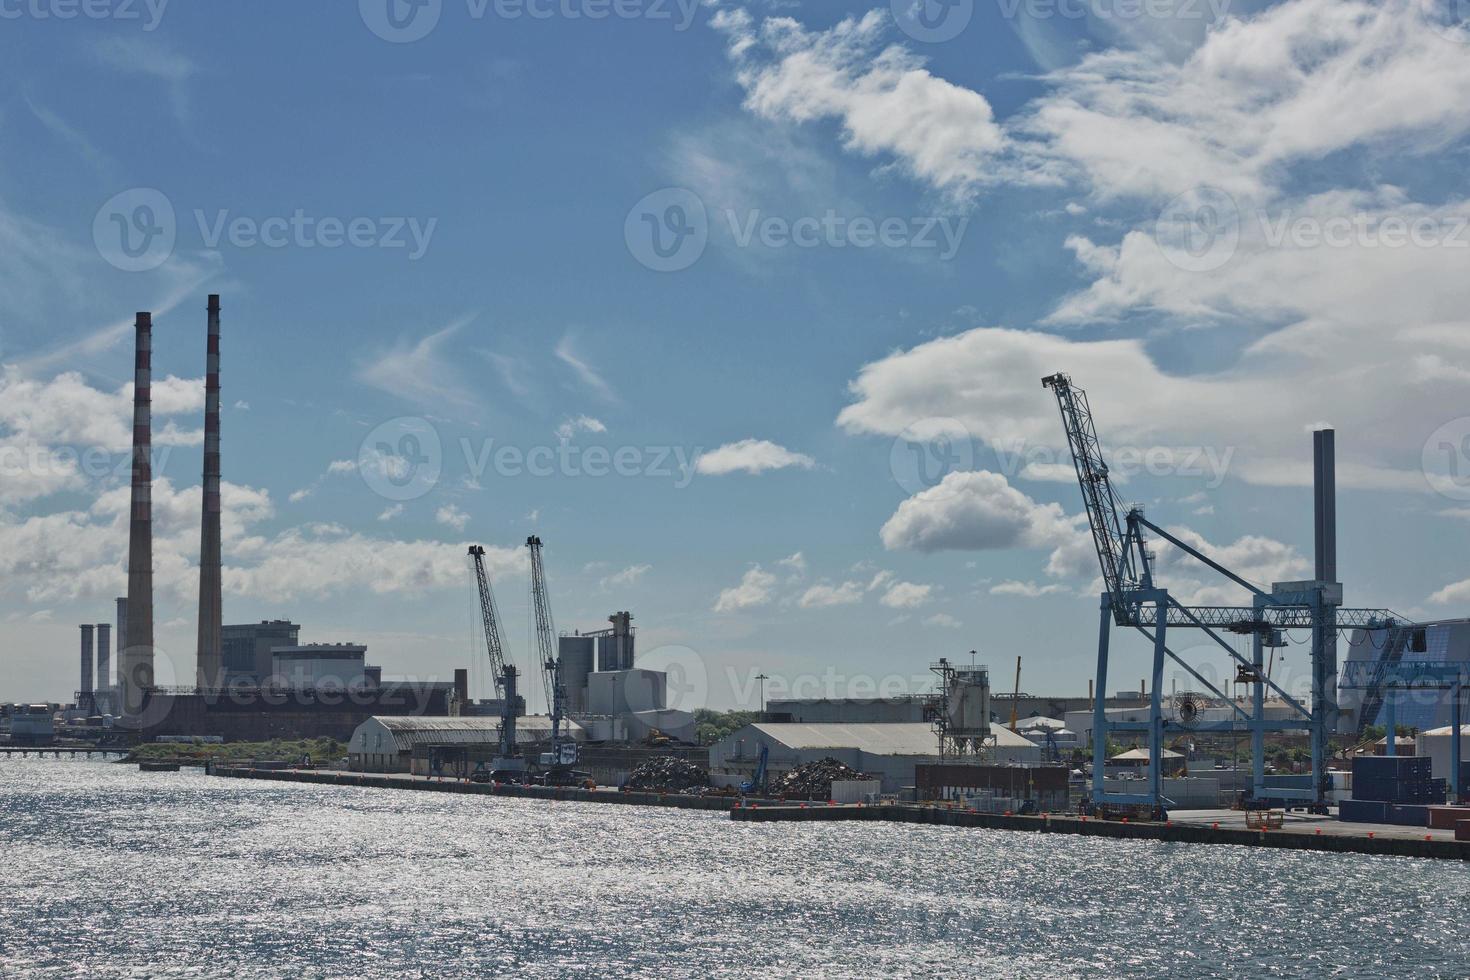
[897,738]
[408,732]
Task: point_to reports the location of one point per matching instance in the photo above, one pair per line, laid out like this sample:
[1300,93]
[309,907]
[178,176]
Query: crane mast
[511,703]
[562,751]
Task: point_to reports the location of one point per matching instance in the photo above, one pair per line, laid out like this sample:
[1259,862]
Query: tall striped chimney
[210,658]
[122,634]
[135,663]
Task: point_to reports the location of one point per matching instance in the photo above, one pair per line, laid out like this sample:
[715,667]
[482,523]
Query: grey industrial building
[889,752]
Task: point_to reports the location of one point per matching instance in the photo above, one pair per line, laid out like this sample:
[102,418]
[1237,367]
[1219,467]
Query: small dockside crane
[512,704]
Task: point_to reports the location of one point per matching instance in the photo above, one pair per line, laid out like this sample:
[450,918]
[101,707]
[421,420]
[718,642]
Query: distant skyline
[743,308]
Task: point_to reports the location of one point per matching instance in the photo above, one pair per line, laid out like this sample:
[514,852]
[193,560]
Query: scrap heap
[813,780]
[668,774]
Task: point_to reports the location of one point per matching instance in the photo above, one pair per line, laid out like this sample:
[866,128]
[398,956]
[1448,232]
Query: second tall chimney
[1324,510]
[104,658]
[135,663]
[210,659]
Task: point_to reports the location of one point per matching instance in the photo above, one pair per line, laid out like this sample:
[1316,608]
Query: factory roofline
[880,738]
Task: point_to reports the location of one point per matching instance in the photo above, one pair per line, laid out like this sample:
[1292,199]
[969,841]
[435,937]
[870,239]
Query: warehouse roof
[888,738]
[408,731]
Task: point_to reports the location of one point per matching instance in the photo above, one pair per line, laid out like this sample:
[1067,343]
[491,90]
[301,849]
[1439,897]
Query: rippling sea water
[110,872]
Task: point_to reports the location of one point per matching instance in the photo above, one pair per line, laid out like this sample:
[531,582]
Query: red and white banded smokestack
[135,663]
[210,658]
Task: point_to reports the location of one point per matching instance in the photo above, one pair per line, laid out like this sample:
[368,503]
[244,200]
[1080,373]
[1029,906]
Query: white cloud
[886,102]
[907,595]
[566,352]
[796,562]
[988,379]
[450,515]
[390,512]
[629,576]
[1295,82]
[943,620]
[582,423]
[750,456]
[1026,590]
[824,595]
[973,511]
[754,590]
[421,371]
[1456,592]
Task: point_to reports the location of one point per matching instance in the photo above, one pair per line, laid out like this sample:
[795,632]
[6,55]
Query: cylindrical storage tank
[575,653]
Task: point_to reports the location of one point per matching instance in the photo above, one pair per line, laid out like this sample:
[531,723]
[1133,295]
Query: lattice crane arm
[546,644]
[1121,552]
[490,616]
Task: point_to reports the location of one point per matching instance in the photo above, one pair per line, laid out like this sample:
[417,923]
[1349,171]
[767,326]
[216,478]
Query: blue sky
[1196,211]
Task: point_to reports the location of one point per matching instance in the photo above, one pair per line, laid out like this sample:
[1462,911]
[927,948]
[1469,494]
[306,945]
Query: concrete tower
[122,634]
[135,663]
[210,670]
[84,691]
[104,658]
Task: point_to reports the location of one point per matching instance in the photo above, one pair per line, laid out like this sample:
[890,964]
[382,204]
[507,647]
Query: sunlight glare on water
[110,872]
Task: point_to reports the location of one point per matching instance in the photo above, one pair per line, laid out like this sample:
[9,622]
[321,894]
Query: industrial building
[249,649]
[888,751]
[848,711]
[617,701]
[323,667]
[1442,642]
[388,744]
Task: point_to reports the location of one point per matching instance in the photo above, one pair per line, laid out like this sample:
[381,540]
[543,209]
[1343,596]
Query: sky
[741,307]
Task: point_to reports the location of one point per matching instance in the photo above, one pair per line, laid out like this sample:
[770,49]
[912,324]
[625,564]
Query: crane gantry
[1132,599]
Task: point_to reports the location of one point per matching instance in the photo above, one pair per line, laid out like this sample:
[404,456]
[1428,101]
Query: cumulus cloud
[750,456]
[450,515]
[824,595]
[581,423]
[62,434]
[907,595]
[1456,592]
[1026,590]
[755,589]
[943,620]
[974,511]
[886,102]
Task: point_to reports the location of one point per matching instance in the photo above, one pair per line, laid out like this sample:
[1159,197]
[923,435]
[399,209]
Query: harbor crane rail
[1132,599]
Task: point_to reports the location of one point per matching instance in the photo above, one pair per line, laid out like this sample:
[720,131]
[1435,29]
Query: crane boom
[511,703]
[490,616]
[1113,535]
[556,691]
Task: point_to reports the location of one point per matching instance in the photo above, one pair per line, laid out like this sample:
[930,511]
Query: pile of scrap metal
[668,774]
[813,780]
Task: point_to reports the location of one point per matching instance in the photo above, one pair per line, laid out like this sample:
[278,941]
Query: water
[110,872]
